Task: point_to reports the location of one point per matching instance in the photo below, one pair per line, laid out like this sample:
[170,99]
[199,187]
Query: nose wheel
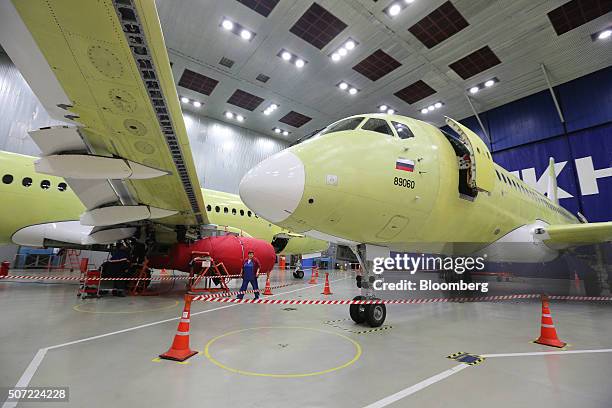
[373,315]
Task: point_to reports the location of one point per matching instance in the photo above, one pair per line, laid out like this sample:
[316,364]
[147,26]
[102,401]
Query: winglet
[552,182]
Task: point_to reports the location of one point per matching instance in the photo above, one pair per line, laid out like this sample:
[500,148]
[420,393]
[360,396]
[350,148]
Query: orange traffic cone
[268,289]
[548,333]
[313,277]
[180,351]
[317,271]
[326,289]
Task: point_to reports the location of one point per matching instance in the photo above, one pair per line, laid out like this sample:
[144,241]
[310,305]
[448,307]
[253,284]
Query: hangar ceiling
[431,51]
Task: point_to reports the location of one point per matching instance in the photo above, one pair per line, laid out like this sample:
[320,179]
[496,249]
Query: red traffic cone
[326,289]
[548,333]
[313,277]
[268,289]
[180,351]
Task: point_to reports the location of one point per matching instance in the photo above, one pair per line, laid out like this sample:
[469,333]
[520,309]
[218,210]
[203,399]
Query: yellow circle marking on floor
[78,309]
[252,373]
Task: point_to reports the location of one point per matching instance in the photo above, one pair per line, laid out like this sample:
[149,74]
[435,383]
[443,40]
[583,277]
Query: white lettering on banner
[587,175]
[529,177]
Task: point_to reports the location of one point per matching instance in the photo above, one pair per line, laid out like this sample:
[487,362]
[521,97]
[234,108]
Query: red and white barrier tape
[152,278]
[79,278]
[244,292]
[206,298]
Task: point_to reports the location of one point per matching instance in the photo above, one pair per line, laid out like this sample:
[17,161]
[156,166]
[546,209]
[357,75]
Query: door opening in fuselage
[465,187]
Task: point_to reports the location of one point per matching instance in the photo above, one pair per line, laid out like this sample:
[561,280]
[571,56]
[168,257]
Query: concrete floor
[307,356]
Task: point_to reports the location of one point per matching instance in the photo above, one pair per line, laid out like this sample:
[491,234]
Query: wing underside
[102,67]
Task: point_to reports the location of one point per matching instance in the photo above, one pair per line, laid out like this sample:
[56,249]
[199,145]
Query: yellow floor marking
[356,357]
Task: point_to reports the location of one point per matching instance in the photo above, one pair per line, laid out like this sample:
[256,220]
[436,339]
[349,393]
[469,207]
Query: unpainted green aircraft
[381,183]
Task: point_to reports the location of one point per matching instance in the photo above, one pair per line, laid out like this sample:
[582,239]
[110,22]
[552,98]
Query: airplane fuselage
[356,190]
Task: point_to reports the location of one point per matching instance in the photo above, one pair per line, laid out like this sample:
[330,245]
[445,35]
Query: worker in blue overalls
[250,269]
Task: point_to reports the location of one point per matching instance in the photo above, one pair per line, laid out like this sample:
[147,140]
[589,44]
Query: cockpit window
[402,130]
[346,124]
[378,125]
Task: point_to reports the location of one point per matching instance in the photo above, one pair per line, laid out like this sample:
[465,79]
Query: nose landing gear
[375,314]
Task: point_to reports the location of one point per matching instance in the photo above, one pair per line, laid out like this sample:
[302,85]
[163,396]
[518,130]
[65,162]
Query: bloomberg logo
[587,177]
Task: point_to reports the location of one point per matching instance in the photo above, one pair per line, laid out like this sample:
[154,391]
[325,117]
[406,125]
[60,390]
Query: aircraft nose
[274,188]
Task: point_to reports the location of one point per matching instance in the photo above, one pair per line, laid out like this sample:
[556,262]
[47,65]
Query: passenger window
[498,176]
[241,213]
[249,213]
[7,179]
[217,209]
[62,187]
[378,125]
[45,184]
[346,124]
[26,182]
[233,211]
[208,207]
[225,210]
[402,130]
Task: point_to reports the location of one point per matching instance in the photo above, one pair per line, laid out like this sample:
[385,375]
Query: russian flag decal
[404,164]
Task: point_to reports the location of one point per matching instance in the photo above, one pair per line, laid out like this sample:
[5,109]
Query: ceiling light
[474,89]
[605,34]
[197,104]
[489,83]
[285,133]
[184,100]
[277,130]
[424,111]
[229,115]
[335,56]
[343,85]
[286,55]
[299,63]
[342,51]
[391,111]
[408,1]
[273,106]
[246,34]
[431,107]
[382,108]
[353,91]
[394,10]
[239,118]
[438,105]
[349,45]
[228,25]
[267,112]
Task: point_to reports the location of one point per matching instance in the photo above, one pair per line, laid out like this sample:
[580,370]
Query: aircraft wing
[578,233]
[102,67]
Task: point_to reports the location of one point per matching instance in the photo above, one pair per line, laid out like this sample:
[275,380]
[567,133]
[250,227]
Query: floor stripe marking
[544,353]
[417,387]
[27,375]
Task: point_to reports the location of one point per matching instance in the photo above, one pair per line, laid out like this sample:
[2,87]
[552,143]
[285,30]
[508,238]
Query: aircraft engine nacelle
[229,249]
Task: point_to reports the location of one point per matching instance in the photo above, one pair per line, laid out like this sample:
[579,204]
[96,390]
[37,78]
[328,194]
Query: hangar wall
[222,152]
[526,132]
